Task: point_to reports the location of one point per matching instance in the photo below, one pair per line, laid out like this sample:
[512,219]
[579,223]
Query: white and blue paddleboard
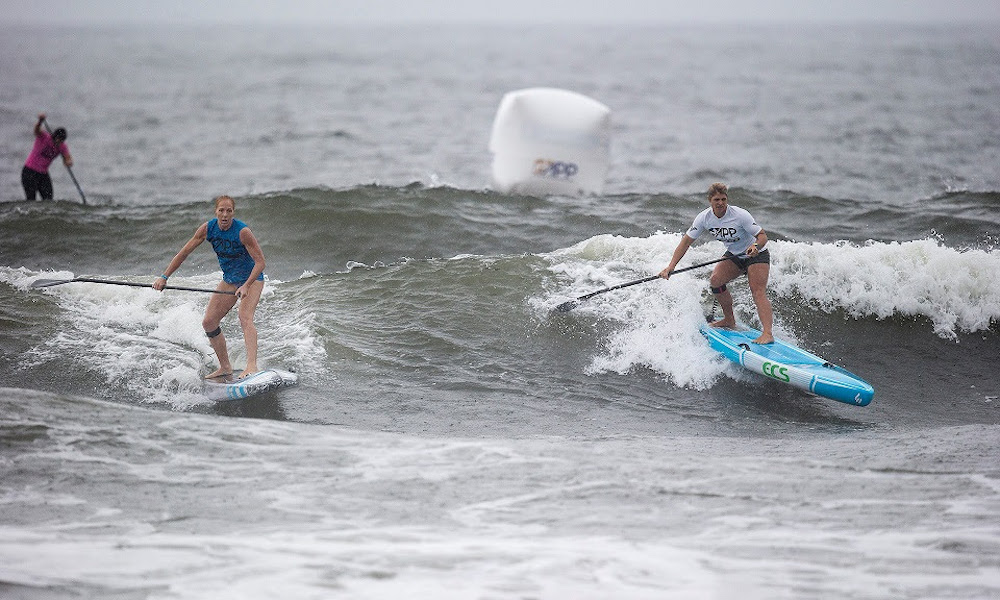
[789,364]
[228,388]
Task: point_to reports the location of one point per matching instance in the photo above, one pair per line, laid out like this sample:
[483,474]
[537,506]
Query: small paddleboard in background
[789,364]
[229,388]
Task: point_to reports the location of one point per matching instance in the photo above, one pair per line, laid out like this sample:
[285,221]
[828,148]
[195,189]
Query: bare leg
[218,344]
[218,307]
[723,273]
[248,307]
[728,319]
[758,275]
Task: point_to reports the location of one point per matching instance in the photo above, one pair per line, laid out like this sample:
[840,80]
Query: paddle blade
[567,306]
[40,283]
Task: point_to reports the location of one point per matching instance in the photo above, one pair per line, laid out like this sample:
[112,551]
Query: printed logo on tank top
[227,248]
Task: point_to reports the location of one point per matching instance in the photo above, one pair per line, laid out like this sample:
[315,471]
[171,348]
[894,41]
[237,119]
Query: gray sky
[516,11]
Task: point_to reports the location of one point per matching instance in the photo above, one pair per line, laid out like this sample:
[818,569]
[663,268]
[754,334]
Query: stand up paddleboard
[789,364]
[229,388]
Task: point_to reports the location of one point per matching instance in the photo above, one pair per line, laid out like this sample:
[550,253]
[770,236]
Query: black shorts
[35,182]
[762,257]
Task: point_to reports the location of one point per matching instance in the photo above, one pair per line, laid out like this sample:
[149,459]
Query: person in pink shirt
[35,174]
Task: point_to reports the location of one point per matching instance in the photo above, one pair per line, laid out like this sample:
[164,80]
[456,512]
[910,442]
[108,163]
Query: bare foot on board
[764,339]
[220,372]
[724,323]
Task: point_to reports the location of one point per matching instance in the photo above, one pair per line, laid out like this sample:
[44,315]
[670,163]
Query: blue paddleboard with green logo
[789,364]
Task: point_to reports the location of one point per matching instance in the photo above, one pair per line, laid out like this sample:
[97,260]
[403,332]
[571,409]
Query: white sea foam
[152,343]
[391,563]
[958,291]
[356,514]
[656,323]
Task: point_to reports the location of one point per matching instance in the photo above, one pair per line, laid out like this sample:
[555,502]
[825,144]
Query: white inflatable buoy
[550,141]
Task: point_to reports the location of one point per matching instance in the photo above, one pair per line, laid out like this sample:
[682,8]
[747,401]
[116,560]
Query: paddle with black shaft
[40,283]
[68,168]
[570,305]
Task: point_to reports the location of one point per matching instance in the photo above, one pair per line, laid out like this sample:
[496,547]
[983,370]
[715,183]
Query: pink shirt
[44,152]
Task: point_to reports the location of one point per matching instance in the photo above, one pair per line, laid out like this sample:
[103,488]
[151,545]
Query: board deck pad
[789,364]
[231,388]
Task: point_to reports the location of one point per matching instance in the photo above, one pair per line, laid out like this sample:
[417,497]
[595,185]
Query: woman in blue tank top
[242,263]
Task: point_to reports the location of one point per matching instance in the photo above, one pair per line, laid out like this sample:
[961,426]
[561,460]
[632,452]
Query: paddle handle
[571,304]
[52,282]
[149,285]
[618,287]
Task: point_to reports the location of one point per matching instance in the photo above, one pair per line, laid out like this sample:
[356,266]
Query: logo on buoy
[554,168]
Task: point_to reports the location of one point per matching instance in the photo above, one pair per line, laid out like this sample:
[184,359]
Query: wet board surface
[789,364]
[230,388]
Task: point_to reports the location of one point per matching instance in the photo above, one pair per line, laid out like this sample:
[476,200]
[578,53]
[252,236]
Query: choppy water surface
[452,436]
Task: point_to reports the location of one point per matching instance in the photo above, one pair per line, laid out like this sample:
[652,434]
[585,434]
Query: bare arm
[758,245]
[679,253]
[253,248]
[199,236]
[38,124]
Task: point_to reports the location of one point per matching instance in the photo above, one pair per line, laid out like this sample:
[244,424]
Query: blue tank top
[236,262]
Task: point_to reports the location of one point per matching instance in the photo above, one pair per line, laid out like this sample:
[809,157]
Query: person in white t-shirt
[744,240]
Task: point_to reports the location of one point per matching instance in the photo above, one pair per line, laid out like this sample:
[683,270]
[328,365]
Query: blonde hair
[718,188]
[218,199]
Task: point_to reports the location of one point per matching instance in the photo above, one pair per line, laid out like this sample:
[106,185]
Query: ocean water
[452,436]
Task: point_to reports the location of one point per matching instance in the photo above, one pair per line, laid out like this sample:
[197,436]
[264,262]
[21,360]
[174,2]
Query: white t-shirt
[736,229]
